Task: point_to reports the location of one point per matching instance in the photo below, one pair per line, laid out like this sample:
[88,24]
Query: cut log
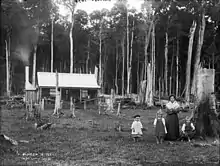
[42,126]
[13,142]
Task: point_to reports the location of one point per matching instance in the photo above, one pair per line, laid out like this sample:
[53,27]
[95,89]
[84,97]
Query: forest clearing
[127,64]
[79,142]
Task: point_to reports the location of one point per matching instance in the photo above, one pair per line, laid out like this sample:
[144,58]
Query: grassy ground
[90,139]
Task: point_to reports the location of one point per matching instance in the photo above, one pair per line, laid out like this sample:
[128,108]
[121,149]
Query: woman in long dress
[172,120]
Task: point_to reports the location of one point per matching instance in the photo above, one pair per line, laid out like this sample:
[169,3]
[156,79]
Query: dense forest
[164,42]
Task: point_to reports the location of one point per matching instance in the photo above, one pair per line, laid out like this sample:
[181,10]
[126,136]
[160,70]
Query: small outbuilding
[31,96]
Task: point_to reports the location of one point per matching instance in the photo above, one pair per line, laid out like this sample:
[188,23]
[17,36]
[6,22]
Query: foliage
[174,17]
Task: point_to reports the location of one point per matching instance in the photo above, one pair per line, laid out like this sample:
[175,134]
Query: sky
[89,6]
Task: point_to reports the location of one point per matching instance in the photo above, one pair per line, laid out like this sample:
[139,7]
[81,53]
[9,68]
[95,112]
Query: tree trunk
[162,87]
[138,76]
[7,50]
[171,71]
[88,57]
[57,99]
[149,93]
[116,66]
[61,69]
[34,66]
[159,90]
[130,61]
[123,64]
[128,70]
[153,62]
[188,65]
[51,44]
[142,91]
[162,78]
[71,44]
[142,85]
[166,65]
[147,39]
[198,51]
[104,67]
[177,66]
[100,57]
[205,114]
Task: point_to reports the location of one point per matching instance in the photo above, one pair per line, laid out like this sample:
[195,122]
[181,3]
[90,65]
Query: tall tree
[71,6]
[153,61]
[189,61]
[202,24]
[52,40]
[128,59]
[166,64]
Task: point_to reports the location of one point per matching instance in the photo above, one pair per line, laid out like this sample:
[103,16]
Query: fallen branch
[6,138]
[41,126]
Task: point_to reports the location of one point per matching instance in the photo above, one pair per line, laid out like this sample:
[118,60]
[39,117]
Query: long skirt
[172,125]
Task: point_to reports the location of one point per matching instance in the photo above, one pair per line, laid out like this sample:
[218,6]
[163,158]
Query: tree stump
[207,122]
[119,107]
[205,114]
[85,105]
[33,112]
[99,106]
[72,107]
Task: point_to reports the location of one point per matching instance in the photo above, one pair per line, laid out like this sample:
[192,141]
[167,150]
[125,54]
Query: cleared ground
[90,139]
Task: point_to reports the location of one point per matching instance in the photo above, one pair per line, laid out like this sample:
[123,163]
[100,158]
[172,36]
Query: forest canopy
[121,42]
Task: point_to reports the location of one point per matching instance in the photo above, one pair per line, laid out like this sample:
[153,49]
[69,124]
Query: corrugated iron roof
[67,80]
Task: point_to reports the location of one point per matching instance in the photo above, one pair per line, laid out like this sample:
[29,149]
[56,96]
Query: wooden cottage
[76,85]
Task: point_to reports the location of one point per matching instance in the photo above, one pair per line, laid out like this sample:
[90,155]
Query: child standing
[136,128]
[188,129]
[160,127]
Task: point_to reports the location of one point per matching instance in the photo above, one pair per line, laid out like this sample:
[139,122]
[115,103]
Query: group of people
[166,128]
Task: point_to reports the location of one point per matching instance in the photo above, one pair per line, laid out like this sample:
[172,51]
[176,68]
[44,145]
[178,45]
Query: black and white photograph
[110,83]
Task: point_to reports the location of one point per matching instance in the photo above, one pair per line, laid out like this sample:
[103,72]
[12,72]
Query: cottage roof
[67,80]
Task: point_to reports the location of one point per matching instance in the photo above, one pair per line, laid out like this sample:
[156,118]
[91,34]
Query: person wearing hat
[136,128]
[172,120]
[160,127]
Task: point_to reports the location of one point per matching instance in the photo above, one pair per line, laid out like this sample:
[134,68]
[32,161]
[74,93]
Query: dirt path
[90,139]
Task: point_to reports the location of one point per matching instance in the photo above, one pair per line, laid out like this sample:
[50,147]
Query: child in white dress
[136,128]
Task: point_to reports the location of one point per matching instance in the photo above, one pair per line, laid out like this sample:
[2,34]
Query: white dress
[137,126]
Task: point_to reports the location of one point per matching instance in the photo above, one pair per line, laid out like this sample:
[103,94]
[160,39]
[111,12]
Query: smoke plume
[24,35]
